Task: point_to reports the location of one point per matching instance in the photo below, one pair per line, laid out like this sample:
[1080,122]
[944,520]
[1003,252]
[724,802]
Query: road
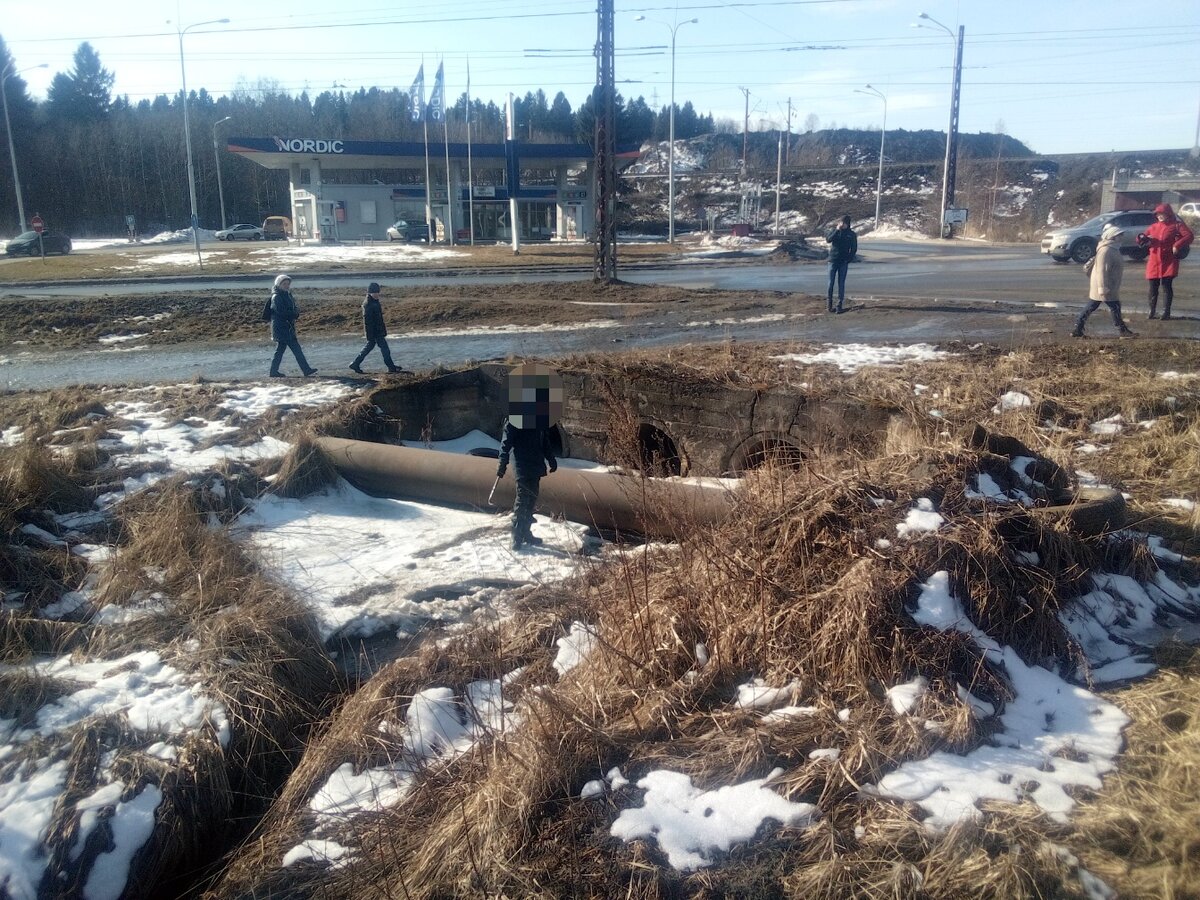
[904,292]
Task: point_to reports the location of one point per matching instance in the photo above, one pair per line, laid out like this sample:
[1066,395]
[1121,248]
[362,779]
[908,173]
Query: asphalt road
[902,292]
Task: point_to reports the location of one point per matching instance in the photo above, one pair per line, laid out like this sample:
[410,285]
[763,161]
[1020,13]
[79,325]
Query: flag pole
[446,144]
[428,196]
[470,173]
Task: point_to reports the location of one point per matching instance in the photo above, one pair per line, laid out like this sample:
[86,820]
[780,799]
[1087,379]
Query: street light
[187,131]
[953,109]
[874,91]
[671,137]
[9,72]
[217,154]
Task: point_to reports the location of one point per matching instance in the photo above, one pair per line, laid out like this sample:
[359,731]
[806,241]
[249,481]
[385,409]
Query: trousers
[292,344]
[528,487]
[837,271]
[1168,289]
[1114,308]
[382,344]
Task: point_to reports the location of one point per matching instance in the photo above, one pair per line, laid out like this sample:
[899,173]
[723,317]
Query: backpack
[1182,252]
[266,311]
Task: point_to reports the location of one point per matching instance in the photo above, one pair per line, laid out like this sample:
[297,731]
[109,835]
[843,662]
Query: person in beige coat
[1107,267]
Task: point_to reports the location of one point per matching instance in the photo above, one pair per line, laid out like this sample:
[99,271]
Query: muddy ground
[187,317]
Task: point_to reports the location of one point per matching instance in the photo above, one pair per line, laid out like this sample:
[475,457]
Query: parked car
[241,233]
[404,230]
[276,228]
[1190,211]
[1079,243]
[26,244]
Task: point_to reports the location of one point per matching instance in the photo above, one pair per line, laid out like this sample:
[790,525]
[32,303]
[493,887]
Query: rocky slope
[1013,194]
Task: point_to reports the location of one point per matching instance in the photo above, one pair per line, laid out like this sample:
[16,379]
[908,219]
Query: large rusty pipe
[655,507]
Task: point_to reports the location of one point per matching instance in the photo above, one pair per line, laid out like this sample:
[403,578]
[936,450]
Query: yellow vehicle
[277,228]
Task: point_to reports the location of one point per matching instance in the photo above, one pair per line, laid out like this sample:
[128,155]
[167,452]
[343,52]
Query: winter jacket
[1165,239]
[1107,269]
[843,245]
[284,313]
[530,449]
[372,313]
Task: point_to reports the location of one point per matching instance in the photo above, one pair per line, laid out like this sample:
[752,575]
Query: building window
[306,176]
[366,212]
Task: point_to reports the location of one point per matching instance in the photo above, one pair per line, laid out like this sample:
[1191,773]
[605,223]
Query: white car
[241,233]
[1189,211]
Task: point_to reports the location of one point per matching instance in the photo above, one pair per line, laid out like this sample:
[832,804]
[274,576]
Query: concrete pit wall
[711,429]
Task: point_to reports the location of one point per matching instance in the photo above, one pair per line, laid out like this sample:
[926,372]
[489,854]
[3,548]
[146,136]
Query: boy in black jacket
[375,330]
[534,405]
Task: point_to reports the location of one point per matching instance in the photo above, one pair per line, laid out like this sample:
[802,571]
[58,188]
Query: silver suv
[1079,243]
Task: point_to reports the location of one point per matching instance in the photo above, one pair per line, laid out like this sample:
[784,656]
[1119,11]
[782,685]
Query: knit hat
[280,279]
[374,287]
[1111,233]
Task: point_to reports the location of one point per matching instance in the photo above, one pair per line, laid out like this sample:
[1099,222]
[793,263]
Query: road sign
[38,224]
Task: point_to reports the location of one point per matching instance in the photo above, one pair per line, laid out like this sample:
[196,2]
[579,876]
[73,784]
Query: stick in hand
[492,492]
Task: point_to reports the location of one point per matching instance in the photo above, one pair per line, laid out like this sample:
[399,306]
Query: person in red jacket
[1166,240]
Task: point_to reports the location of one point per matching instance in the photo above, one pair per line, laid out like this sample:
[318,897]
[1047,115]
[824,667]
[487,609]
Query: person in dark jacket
[1165,240]
[535,401]
[843,246]
[375,331]
[284,313]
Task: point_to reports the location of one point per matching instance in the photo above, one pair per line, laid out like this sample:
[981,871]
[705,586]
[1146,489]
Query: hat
[374,287]
[1111,233]
[280,279]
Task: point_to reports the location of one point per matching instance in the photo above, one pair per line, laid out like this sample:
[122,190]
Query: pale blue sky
[1063,77]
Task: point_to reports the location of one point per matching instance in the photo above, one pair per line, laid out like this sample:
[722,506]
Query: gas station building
[556,203]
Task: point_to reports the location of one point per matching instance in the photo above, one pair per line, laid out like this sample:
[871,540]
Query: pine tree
[84,94]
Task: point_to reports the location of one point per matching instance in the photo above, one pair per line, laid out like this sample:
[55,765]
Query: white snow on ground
[1054,735]
[574,648]
[852,357]
[1012,400]
[920,519]
[150,697]
[888,231]
[287,255]
[691,825]
[505,329]
[365,564]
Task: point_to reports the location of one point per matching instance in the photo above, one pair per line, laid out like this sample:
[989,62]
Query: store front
[337,208]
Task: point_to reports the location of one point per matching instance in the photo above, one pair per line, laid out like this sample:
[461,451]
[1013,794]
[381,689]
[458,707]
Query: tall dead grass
[792,589]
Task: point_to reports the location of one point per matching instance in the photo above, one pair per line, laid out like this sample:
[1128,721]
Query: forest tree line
[87,159]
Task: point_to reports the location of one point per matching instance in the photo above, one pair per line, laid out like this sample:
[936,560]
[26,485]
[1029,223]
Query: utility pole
[745,131]
[787,148]
[952,137]
[778,179]
[604,269]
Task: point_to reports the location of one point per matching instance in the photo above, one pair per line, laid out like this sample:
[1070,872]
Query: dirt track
[188,317]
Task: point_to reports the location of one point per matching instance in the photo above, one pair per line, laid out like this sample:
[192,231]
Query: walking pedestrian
[1104,283]
[1167,241]
[284,313]
[843,246]
[375,330]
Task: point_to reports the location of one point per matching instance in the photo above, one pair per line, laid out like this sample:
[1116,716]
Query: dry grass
[793,589]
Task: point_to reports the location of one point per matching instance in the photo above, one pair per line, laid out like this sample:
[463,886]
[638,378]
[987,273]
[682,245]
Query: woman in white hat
[284,313]
[1107,267]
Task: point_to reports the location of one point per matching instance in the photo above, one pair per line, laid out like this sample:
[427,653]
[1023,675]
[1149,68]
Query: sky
[1063,78]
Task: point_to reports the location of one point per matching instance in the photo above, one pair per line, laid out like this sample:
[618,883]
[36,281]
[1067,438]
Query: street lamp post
[874,91]
[9,72]
[952,130]
[187,131]
[671,117]
[217,154]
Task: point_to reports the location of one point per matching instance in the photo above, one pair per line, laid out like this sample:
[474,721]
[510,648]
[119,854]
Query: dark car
[403,230]
[26,244]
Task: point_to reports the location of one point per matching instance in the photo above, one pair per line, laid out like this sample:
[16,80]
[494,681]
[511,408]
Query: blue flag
[437,99]
[416,97]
